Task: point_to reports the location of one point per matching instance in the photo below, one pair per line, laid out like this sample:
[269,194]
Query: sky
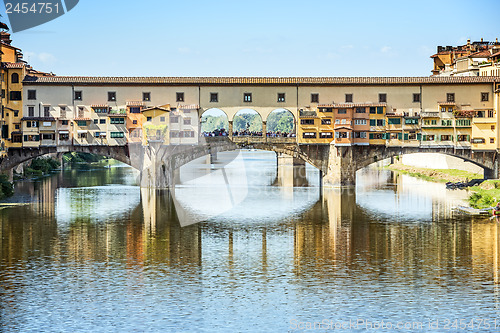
[254,38]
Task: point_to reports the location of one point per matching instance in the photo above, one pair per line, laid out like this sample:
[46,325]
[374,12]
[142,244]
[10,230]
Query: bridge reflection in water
[351,245]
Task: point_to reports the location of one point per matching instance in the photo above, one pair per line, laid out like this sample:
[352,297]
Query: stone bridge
[337,164]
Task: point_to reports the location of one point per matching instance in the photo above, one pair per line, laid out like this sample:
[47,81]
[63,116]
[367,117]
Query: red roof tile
[85,80]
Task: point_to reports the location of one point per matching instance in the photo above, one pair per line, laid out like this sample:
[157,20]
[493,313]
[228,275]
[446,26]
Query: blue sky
[254,38]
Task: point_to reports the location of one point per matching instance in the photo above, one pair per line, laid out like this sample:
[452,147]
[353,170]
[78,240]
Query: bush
[6,187]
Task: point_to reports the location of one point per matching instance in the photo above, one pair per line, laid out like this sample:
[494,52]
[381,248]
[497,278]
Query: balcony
[303,113]
[118,112]
[429,114]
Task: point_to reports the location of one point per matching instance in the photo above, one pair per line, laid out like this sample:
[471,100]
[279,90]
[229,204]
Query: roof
[135,103]
[39,118]
[99,106]
[155,108]
[88,80]
[189,107]
[480,54]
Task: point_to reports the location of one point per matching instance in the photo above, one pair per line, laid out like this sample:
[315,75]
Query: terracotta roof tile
[189,107]
[99,106]
[86,80]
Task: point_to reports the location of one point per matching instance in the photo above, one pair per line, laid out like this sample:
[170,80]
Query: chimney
[5,37]
[481,40]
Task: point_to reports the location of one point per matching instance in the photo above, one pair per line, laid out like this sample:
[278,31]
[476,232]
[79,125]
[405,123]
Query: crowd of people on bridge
[223,132]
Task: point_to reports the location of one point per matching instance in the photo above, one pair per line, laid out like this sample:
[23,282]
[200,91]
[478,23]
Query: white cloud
[386,49]
[46,57]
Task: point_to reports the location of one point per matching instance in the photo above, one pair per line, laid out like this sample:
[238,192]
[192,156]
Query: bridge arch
[281,121]
[371,154]
[214,120]
[248,122]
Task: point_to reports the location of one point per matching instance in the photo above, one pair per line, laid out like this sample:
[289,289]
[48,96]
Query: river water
[236,248]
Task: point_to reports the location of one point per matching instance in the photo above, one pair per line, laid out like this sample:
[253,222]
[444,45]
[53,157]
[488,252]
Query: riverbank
[485,195]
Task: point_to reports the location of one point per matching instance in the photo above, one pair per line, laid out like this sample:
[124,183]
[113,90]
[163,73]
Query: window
[3,93]
[32,123]
[377,136]
[162,119]
[314,98]
[359,121]
[462,122]
[326,121]
[373,122]
[247,97]
[117,135]
[380,122]
[373,109]
[174,134]
[360,110]
[48,136]
[17,126]
[416,98]
[343,121]
[342,111]
[325,135]
[443,109]
[46,111]
[187,134]
[492,140]
[174,119]
[341,135]
[187,121]
[81,123]
[78,95]
[430,122]
[445,137]
[214,97]
[31,138]
[16,113]
[478,140]
[31,94]
[14,78]
[394,121]
[111,96]
[359,135]
[102,121]
[446,122]
[480,114]
[149,118]
[82,135]
[484,97]
[411,121]
[348,98]
[64,122]
[179,97]
[15,96]
[325,109]
[429,137]
[135,109]
[134,122]
[146,96]
[96,121]
[380,110]
[491,114]
[309,135]
[450,97]
[382,98]
[81,112]
[17,138]
[492,127]
[307,121]
[117,120]
[463,137]
[281,97]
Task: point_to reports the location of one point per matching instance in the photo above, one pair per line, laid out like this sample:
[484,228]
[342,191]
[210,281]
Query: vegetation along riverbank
[484,195]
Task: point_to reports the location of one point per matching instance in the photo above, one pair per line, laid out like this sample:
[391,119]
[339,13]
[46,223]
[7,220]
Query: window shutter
[425,137]
[406,136]
[25,138]
[37,137]
[468,138]
[371,136]
[419,136]
[400,136]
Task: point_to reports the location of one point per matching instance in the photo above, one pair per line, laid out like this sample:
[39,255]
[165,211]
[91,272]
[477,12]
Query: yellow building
[12,74]
[155,127]
[309,122]
[484,130]
[377,134]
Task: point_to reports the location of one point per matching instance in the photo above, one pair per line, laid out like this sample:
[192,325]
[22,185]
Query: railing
[120,111]
[429,114]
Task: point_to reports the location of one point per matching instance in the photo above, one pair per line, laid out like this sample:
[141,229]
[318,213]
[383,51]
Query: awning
[63,132]
[81,131]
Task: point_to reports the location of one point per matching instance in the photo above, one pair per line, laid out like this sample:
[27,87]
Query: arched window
[14,78]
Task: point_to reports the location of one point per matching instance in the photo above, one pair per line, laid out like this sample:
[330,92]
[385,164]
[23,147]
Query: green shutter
[419,136]
[406,136]
[25,138]
[425,138]
[37,137]
[468,138]
[373,122]
[370,136]
[400,136]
